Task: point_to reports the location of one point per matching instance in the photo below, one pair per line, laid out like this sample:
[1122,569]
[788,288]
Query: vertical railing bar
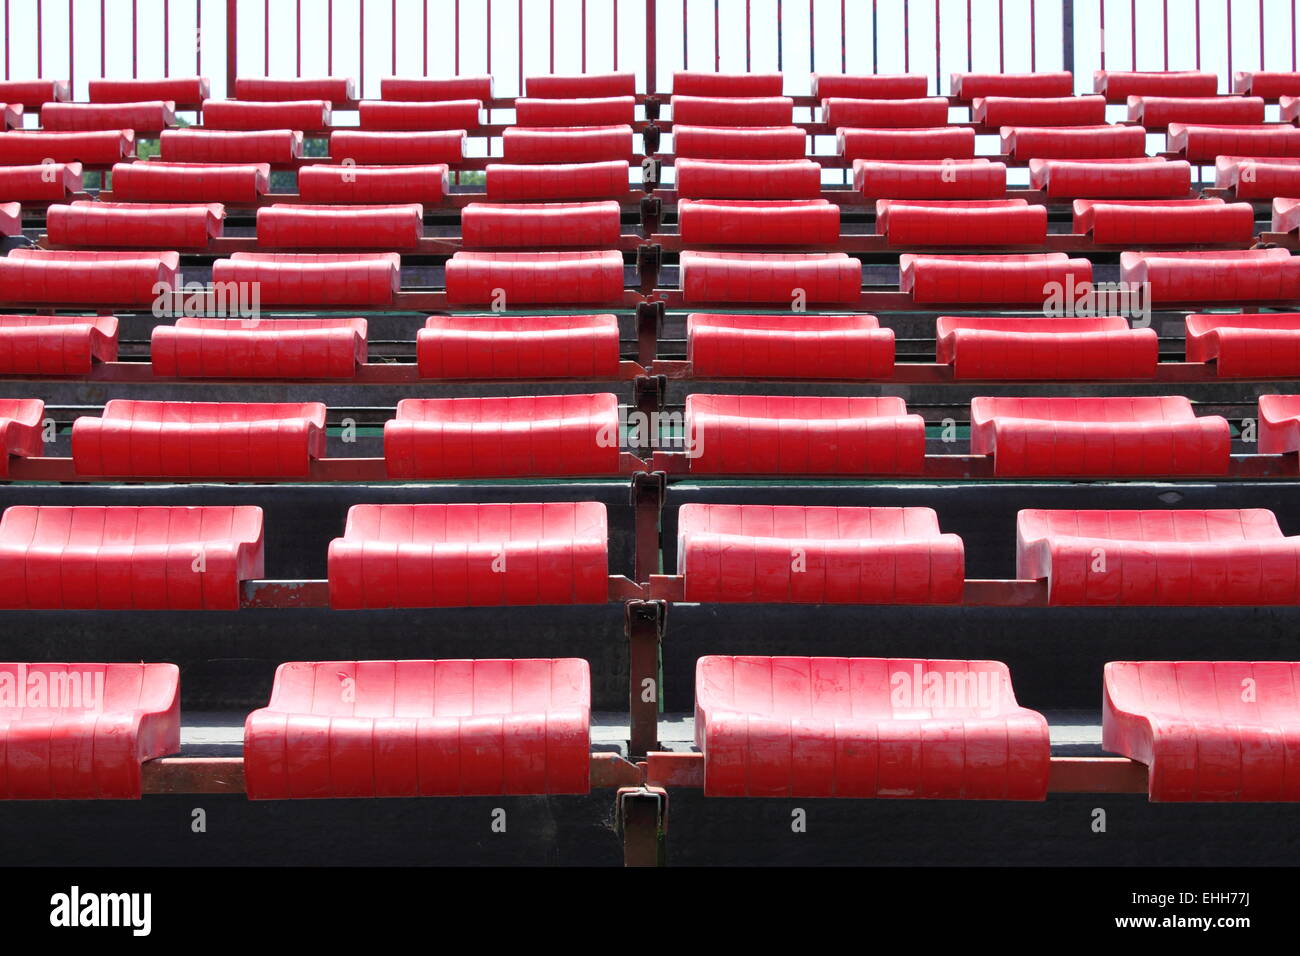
[970,46]
[72,76]
[812,36]
[488,13]
[583,18]
[297,30]
[552,69]
[1293,36]
[651,47]
[780,36]
[614,4]
[361,49]
[686,35]
[266,37]
[907,39]
[232,45]
[1196,13]
[135,40]
[1261,41]
[392,30]
[1228,9]
[424,42]
[844,49]
[329,38]
[717,40]
[455,30]
[1002,40]
[198,38]
[938,49]
[7,37]
[40,44]
[1132,34]
[1101,7]
[102,44]
[519,77]
[167,47]
[1033,38]
[749,48]
[1164,17]
[875,47]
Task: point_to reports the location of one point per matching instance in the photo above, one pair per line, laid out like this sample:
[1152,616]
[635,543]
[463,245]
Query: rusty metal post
[642,815]
[644,623]
[648,490]
[232,45]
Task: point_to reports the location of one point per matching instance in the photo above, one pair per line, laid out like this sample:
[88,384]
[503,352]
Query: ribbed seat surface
[1164,222]
[241,114]
[374,148]
[556,182]
[359,185]
[298,226]
[1074,142]
[1270,84]
[751,142]
[93,148]
[56,344]
[157,181]
[151,117]
[540,278]
[1033,349]
[577,86]
[830,277]
[1279,424]
[870,86]
[413,89]
[1252,177]
[336,89]
[523,347]
[926,112]
[190,90]
[1030,279]
[422,116]
[1118,85]
[732,111]
[970,86]
[33,94]
[584,225]
[21,421]
[197,347]
[704,83]
[1138,177]
[1246,346]
[134,224]
[1039,110]
[1154,112]
[53,182]
[314,279]
[86,278]
[276,146]
[937,143]
[1208,143]
[592,111]
[745,222]
[948,179]
[566,144]
[1259,275]
[748,179]
[993,222]
[798,346]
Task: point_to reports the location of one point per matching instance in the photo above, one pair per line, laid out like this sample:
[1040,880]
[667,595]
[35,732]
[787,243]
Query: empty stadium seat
[1201,735]
[732,111]
[1289,108]
[520,436]
[11,115]
[433,90]
[136,439]
[937,143]
[143,118]
[372,148]
[470,555]
[928,112]
[81,731]
[992,222]
[870,86]
[190,90]
[1246,346]
[1178,557]
[817,555]
[53,182]
[1039,110]
[275,146]
[244,115]
[1005,280]
[296,226]
[578,86]
[518,347]
[1251,177]
[587,225]
[930,179]
[796,346]
[1286,215]
[866,727]
[11,219]
[197,347]
[1270,84]
[535,278]
[1156,112]
[566,144]
[309,279]
[748,179]
[134,224]
[1116,222]
[352,184]
[749,142]
[557,181]
[128,558]
[55,344]
[1032,349]
[1139,177]
[704,83]
[745,222]
[421,729]
[829,277]
[803,435]
[1208,143]
[93,148]
[1098,437]
[21,421]
[334,89]
[34,94]
[600,111]
[1118,85]
[1279,424]
[1074,142]
[157,181]
[77,277]
[1253,275]
[443,115]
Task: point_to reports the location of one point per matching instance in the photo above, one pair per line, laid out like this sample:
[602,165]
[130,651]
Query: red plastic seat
[866,727]
[94,148]
[1098,437]
[948,179]
[441,115]
[1201,735]
[1286,215]
[581,85]
[971,86]
[156,181]
[1289,108]
[126,558]
[789,554]
[1074,142]
[1164,221]
[1039,110]
[308,279]
[1246,346]
[269,348]
[940,143]
[20,427]
[53,182]
[748,179]
[371,148]
[518,347]
[1118,85]
[421,729]
[141,117]
[296,226]
[704,83]
[599,111]
[744,222]
[748,142]
[134,224]
[301,115]
[1279,424]
[1203,142]
[732,111]
[566,144]
[992,222]
[1252,177]
[1033,349]
[275,146]
[925,113]
[1254,275]
[1140,177]
[520,436]
[587,225]
[11,219]
[803,435]
[189,90]
[351,184]
[81,731]
[830,277]
[535,278]
[870,86]
[34,94]
[431,90]
[135,439]
[1158,557]
[1003,280]
[557,182]
[55,344]
[1157,112]
[1270,84]
[86,278]
[469,555]
[332,88]
[797,346]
